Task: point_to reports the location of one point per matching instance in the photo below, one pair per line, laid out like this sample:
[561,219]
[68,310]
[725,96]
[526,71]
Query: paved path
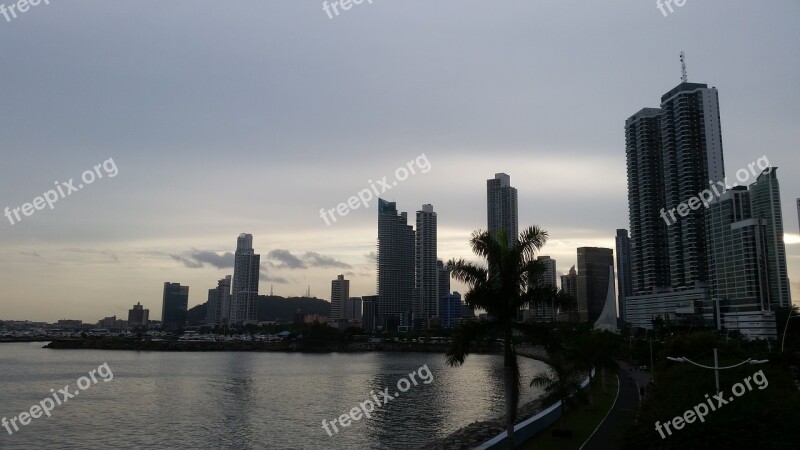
[624,411]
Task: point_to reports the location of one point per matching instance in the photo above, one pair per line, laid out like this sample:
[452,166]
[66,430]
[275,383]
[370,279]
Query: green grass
[580,419]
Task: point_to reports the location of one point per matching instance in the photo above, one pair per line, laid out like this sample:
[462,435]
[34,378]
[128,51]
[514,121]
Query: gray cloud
[286,260]
[314,259]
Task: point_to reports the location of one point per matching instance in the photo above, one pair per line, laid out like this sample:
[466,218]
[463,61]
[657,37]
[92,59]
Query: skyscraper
[395,266]
[649,260]
[691,140]
[443,278]
[501,206]
[426,300]
[174,306]
[593,281]
[798,213]
[738,264]
[369,305]
[549,276]
[340,292]
[765,198]
[355,308]
[219,301]
[569,283]
[246,270]
[624,280]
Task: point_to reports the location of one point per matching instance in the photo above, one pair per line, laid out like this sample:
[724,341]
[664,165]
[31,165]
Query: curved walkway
[622,414]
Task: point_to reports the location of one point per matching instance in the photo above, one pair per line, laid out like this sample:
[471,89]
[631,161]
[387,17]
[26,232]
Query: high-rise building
[219,301]
[569,283]
[174,306]
[691,140]
[426,300]
[395,266]
[443,278]
[624,279]
[738,265]
[649,255]
[369,304]
[451,309]
[593,282]
[765,198]
[246,271]
[138,317]
[340,292]
[549,276]
[355,307]
[501,206]
[798,213]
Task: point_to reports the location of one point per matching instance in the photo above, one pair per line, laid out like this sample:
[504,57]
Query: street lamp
[783,341]
[717,367]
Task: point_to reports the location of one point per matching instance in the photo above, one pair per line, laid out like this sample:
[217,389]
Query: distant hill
[272,308]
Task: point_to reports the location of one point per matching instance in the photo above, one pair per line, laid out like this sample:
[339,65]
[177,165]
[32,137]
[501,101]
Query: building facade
[138,317]
[501,207]
[624,274]
[340,292]
[593,264]
[246,271]
[395,266]
[174,306]
[765,197]
[451,310]
[219,303]
[426,299]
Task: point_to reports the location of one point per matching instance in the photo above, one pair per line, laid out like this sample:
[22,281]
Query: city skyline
[271,147]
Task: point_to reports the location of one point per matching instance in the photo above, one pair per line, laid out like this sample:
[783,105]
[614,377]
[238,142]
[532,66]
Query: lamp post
[783,341]
[717,367]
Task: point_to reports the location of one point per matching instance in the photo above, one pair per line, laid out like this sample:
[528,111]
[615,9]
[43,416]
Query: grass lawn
[581,419]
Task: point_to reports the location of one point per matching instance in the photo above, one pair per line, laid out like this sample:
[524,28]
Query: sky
[250,116]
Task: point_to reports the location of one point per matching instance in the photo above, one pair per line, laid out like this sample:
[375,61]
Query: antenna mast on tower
[684,76]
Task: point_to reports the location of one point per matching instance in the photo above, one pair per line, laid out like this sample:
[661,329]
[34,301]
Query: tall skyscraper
[624,279]
[369,305]
[395,266]
[738,265]
[444,279]
[426,300]
[765,198]
[174,306]
[246,270]
[549,276]
[593,281]
[138,317]
[340,292]
[798,213]
[569,283]
[219,301]
[649,254]
[501,206]
[691,140]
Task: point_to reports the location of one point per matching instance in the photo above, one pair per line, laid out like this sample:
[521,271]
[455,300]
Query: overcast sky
[252,115]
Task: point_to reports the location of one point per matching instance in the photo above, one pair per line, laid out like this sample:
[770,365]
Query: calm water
[243,400]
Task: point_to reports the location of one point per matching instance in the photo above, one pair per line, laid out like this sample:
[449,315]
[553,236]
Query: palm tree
[595,350]
[562,378]
[508,284]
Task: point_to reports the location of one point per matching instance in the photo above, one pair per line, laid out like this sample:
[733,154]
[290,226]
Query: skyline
[299,118]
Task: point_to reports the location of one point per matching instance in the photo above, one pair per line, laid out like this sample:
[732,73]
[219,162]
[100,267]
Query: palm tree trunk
[511,387]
